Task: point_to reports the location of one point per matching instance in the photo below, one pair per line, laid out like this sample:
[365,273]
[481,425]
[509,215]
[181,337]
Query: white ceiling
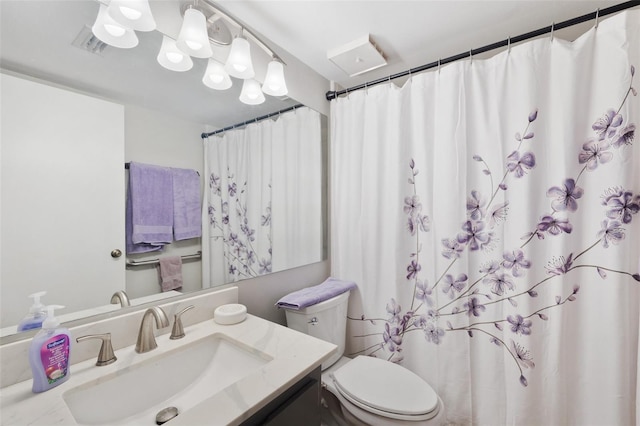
[36,36]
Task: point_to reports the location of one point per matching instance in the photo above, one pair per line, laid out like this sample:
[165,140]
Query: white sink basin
[182,378]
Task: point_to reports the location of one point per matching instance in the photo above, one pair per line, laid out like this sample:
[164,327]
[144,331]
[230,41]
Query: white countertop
[294,356]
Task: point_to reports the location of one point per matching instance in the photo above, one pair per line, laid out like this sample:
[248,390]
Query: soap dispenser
[49,353]
[36,315]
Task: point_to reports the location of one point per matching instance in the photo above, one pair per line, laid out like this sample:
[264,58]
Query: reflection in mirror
[72,115]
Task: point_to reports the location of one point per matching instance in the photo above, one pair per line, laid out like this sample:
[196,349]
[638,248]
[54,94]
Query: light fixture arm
[243,31]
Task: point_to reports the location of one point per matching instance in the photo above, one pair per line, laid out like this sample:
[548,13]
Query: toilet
[367,390]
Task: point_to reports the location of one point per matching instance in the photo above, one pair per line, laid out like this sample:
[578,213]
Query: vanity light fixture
[251,93]
[173,58]
[215,76]
[193,38]
[111,32]
[239,62]
[274,83]
[135,14]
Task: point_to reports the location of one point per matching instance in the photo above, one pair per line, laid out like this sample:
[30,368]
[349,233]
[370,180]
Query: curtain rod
[254,120]
[580,19]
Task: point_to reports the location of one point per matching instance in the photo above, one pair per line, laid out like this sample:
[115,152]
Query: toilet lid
[385,387]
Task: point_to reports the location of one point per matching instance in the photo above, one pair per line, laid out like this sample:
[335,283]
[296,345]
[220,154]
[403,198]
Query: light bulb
[172,58]
[107,30]
[215,76]
[239,63]
[133,14]
[193,38]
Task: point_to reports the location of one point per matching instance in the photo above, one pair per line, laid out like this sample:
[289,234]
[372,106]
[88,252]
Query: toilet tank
[325,320]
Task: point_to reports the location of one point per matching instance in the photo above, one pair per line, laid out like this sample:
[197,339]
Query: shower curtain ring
[597,16]
[438,66]
[553,24]
[470,56]
[509,45]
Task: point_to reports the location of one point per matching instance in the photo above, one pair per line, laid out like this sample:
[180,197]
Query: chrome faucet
[106,355]
[120,297]
[146,338]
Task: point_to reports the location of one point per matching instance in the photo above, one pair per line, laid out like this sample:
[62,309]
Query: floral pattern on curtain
[489,214]
[264,196]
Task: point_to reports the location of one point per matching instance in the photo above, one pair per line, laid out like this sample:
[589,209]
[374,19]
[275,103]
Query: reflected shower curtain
[262,210]
[489,213]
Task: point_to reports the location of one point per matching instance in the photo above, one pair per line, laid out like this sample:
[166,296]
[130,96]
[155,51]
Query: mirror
[162,114]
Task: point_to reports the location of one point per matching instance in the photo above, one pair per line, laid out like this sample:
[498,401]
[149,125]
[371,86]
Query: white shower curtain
[262,210]
[489,213]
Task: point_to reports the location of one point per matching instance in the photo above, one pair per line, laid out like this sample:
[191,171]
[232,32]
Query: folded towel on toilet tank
[330,288]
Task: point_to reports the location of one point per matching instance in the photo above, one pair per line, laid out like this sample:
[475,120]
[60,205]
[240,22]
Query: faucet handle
[121,297]
[178,330]
[106,355]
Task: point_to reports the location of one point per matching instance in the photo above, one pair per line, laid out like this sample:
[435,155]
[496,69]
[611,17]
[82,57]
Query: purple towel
[170,273]
[316,294]
[149,215]
[187,216]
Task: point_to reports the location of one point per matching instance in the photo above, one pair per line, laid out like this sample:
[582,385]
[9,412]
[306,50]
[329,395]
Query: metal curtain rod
[556,26]
[254,120]
[127,166]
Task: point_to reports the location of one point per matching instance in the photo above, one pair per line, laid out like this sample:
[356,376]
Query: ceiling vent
[358,56]
[85,40]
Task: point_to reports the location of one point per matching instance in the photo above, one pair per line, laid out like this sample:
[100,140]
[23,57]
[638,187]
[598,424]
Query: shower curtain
[262,210]
[488,211]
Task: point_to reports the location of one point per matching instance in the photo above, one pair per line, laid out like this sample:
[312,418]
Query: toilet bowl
[370,391]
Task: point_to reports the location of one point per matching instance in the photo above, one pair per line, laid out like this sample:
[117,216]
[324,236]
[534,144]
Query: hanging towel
[149,213]
[170,273]
[311,295]
[187,216]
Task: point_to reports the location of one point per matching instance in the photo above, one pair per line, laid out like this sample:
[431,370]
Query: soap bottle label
[55,357]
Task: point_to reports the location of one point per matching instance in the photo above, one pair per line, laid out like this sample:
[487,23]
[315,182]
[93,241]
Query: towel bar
[145,262]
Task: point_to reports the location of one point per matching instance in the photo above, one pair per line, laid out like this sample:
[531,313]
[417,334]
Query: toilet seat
[386,389]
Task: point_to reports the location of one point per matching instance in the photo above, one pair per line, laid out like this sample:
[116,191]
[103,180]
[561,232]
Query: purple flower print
[594,152]
[474,307]
[605,126]
[522,355]
[214,184]
[533,115]
[622,205]
[519,325]
[413,269]
[433,333]
[451,285]
[417,222]
[515,261]
[565,198]
[452,249]
[498,214]
[625,136]
[553,225]
[473,235]
[560,265]
[392,338]
[490,267]
[423,292]
[412,205]
[475,206]
[519,165]
[265,266]
[611,232]
[499,283]
[233,188]
[394,310]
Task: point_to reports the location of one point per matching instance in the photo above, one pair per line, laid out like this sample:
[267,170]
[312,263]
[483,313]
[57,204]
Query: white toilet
[371,391]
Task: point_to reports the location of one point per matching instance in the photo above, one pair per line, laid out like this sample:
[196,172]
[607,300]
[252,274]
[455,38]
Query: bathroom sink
[182,378]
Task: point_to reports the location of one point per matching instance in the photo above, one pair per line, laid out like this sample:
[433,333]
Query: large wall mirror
[73,113]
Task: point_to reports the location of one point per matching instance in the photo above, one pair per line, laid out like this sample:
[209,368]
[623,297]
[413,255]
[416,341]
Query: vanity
[251,372]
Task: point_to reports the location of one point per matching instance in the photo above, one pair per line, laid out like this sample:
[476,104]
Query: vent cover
[85,40]
[358,56]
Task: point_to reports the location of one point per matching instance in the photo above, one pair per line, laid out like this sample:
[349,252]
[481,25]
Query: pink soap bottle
[49,354]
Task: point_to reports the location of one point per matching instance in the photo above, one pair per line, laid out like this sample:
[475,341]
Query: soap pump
[36,315]
[49,353]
